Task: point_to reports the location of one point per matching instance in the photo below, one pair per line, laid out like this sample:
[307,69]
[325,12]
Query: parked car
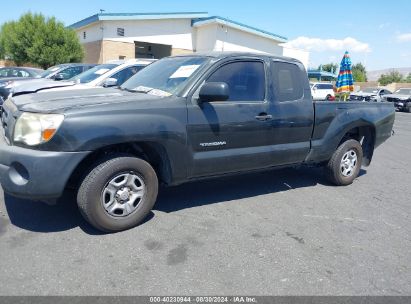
[401,99]
[23,72]
[103,75]
[180,119]
[66,71]
[370,94]
[58,72]
[322,91]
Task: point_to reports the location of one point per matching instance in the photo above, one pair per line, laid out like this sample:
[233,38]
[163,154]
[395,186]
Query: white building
[109,36]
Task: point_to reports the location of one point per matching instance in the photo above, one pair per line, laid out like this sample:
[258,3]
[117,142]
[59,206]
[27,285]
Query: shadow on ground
[39,217]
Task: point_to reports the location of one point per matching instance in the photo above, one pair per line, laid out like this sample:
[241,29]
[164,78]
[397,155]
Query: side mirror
[214,91]
[59,77]
[110,82]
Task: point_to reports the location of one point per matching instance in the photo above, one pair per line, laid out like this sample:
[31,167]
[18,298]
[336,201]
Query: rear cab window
[287,81]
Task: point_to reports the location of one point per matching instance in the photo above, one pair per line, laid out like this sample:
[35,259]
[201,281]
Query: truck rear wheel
[118,193]
[345,164]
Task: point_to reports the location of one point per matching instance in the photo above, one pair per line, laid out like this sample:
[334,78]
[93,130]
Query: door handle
[263,117]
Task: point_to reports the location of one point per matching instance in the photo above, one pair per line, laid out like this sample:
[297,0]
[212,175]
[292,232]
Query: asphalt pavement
[285,232]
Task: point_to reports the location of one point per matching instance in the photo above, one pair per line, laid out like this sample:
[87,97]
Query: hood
[62,100]
[4,79]
[364,94]
[398,96]
[36,85]
[76,86]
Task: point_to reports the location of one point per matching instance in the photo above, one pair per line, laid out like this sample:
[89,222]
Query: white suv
[322,91]
[112,73]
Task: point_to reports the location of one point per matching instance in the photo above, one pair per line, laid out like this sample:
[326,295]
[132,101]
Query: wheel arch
[154,153]
[365,135]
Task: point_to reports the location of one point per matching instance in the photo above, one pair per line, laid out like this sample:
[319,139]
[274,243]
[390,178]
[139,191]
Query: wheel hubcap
[348,163]
[122,194]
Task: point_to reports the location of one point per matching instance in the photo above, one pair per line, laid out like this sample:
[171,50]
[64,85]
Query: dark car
[401,99]
[57,72]
[21,72]
[180,119]
[370,94]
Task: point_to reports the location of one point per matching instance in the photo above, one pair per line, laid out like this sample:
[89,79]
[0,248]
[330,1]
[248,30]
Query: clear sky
[376,33]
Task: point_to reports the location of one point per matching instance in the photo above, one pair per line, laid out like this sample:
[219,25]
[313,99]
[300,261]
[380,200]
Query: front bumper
[36,174]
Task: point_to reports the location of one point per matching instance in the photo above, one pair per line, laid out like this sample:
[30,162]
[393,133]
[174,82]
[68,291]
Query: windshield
[93,73]
[370,90]
[48,72]
[166,76]
[403,91]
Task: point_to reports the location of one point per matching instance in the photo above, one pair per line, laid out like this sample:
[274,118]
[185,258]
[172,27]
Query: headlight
[6,84]
[33,129]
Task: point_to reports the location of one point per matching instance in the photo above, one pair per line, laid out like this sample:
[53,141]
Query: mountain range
[374,75]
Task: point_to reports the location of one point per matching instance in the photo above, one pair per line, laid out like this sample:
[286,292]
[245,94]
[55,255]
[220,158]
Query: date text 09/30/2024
[203,299]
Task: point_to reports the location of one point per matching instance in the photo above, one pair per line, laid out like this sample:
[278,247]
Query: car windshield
[166,76]
[93,73]
[370,90]
[403,91]
[48,72]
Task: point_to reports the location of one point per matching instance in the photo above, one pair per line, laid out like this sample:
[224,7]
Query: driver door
[230,136]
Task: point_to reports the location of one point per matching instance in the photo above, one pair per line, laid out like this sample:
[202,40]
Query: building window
[121,57]
[120,31]
[84,35]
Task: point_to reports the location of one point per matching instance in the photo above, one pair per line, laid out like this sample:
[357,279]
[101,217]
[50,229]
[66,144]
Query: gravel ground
[285,232]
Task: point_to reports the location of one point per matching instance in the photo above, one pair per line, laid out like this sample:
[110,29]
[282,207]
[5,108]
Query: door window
[9,72]
[5,72]
[21,73]
[246,80]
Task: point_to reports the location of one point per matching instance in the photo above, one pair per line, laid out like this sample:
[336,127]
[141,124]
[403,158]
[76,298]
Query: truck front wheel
[118,193]
[345,164]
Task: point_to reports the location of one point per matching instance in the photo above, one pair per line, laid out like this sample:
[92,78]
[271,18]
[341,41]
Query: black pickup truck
[180,119]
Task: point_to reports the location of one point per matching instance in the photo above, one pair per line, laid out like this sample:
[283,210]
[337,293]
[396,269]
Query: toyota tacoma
[180,119]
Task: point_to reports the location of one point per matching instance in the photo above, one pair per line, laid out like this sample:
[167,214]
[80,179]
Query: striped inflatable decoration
[345,81]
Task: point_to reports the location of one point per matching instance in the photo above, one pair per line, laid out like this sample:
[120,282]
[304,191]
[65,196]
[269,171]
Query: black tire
[334,170]
[90,194]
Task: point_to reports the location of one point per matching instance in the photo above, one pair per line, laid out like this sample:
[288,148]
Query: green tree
[39,40]
[393,76]
[359,73]
[408,78]
[2,56]
[329,67]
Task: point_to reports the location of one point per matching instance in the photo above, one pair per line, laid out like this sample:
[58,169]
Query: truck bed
[334,118]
